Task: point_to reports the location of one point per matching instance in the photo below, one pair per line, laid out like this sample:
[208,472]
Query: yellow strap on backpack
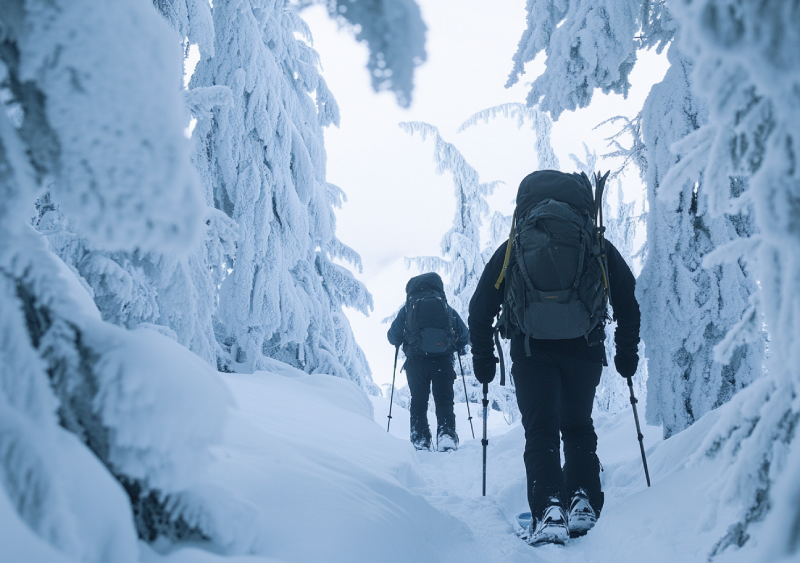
[508,251]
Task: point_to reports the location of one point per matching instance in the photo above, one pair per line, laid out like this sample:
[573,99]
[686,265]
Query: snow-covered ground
[668,522]
[321,480]
[328,484]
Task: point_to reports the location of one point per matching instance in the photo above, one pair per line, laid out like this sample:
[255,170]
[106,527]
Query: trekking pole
[466,397]
[485,441]
[634,400]
[500,355]
[391,398]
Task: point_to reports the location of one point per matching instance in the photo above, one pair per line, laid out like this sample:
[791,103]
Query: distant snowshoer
[430,331]
[554,283]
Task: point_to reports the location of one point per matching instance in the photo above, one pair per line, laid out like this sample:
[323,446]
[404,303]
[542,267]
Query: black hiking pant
[555,394]
[422,374]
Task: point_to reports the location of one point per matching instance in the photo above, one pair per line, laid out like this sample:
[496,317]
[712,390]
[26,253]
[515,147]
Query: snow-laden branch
[395,36]
[200,101]
[541,124]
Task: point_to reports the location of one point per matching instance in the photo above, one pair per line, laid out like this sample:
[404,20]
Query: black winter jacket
[396,333]
[486,302]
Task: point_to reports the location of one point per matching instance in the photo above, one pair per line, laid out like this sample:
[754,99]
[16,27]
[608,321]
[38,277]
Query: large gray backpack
[556,283]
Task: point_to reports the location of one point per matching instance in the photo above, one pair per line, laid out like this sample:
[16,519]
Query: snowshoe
[524,523]
[447,442]
[551,528]
[524,520]
[581,515]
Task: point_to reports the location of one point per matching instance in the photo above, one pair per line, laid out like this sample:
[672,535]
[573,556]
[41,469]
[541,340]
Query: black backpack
[429,323]
[556,282]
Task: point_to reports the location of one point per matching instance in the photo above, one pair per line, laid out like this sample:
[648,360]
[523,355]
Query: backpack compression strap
[508,252]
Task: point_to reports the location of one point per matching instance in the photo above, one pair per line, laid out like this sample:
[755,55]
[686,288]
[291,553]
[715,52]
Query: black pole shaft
[391,398]
[466,397]
[502,358]
[485,441]
[634,400]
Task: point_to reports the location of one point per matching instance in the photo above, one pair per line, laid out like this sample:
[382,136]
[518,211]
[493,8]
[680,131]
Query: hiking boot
[447,442]
[551,527]
[581,515]
[423,443]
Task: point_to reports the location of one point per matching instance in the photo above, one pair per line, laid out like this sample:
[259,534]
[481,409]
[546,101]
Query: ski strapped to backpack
[599,191]
[555,265]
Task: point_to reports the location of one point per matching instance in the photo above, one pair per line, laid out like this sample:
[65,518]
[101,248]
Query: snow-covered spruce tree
[688,309]
[89,410]
[748,73]
[173,294]
[394,33]
[463,260]
[595,47]
[262,161]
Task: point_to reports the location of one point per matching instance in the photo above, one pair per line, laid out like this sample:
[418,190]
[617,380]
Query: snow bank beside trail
[674,519]
[677,519]
[326,484]
[19,543]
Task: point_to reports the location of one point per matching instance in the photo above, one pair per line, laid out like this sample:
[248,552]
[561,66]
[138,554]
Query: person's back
[557,349]
[430,332]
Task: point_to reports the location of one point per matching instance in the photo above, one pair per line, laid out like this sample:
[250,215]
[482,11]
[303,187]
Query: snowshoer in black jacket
[430,332]
[555,377]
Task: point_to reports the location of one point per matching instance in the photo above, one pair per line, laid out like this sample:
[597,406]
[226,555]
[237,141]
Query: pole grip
[501,357]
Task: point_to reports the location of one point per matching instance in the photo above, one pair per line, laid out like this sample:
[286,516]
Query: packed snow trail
[306,473]
[668,522]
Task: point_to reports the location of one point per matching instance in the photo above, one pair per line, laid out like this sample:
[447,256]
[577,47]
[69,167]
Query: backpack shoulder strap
[508,252]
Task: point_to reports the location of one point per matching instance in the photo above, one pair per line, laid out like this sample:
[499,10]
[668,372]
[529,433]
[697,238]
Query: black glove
[626,364]
[484,368]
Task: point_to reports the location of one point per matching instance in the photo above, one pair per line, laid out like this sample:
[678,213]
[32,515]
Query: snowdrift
[325,482]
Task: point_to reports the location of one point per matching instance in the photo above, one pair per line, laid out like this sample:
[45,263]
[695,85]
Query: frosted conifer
[748,73]
[262,161]
[109,150]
